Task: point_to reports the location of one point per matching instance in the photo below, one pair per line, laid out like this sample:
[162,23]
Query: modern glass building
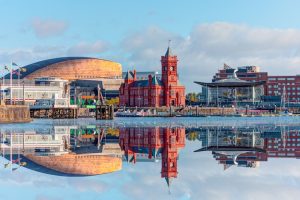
[232,91]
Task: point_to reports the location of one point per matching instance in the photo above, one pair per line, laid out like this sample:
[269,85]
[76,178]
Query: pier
[54,113]
[104,112]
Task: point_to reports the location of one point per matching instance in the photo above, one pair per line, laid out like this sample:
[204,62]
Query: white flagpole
[11,150]
[3,84]
[3,137]
[19,89]
[11,84]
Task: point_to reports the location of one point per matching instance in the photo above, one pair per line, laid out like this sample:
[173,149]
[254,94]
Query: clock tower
[169,75]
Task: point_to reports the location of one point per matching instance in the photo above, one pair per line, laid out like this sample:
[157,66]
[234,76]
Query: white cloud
[42,52]
[201,53]
[208,46]
[48,28]
[85,48]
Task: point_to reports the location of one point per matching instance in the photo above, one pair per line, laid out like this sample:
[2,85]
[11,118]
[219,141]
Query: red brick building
[154,92]
[283,86]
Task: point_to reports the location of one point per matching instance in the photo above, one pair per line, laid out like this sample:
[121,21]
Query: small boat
[127,113]
[285,113]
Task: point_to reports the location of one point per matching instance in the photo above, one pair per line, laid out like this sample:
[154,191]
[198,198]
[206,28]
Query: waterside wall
[14,114]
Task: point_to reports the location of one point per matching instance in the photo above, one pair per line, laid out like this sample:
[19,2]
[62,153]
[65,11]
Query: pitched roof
[140,83]
[145,83]
[168,52]
[129,75]
[156,81]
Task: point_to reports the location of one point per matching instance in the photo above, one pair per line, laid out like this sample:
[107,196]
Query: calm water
[152,158]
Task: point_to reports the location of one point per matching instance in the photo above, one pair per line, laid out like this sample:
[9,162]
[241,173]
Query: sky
[205,34]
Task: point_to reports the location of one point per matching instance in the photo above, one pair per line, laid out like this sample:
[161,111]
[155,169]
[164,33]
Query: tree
[113,101]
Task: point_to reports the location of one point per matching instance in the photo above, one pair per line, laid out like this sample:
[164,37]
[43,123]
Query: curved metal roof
[41,64]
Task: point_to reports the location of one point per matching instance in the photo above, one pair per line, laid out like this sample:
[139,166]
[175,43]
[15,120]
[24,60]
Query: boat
[128,113]
[285,113]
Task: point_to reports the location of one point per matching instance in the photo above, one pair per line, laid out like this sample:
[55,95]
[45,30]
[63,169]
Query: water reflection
[92,150]
[153,144]
[247,146]
[76,149]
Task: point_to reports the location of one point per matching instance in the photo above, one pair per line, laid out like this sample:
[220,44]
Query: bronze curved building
[77,164]
[73,68]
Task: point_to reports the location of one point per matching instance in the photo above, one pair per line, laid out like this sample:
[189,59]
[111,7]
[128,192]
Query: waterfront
[201,175]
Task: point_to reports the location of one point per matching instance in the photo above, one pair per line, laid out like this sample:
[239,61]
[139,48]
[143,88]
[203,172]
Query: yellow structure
[79,164]
[73,68]
[14,114]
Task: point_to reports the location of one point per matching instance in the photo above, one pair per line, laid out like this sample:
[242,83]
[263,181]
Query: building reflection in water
[92,150]
[62,150]
[247,146]
[153,144]
[78,150]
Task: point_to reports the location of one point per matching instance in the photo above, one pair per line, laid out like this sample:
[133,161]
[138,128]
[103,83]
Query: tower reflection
[153,144]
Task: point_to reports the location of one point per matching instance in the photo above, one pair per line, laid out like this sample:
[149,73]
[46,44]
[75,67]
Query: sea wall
[214,111]
[14,114]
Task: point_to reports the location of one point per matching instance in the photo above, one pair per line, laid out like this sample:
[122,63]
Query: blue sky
[135,33]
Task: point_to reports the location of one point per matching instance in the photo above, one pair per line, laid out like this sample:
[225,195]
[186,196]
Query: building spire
[168,52]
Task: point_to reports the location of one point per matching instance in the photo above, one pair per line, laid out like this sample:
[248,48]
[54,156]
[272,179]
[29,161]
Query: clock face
[171,68]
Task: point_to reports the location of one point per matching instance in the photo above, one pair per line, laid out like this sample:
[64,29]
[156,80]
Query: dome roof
[77,164]
[71,68]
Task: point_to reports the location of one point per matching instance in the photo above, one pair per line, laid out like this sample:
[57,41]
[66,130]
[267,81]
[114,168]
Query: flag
[6,165]
[14,64]
[16,161]
[23,69]
[226,66]
[16,72]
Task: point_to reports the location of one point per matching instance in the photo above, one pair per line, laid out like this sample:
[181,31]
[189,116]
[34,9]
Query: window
[290,79]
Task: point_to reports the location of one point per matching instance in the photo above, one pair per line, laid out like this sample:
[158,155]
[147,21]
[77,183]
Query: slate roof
[145,83]
[129,75]
[156,81]
[168,52]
